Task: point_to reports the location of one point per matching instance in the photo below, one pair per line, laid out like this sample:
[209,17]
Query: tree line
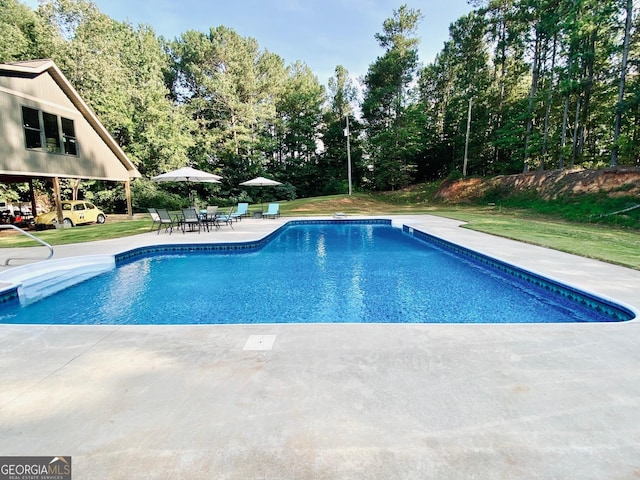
[518,85]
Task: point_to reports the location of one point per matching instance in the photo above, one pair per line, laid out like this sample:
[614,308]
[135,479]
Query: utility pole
[346,134]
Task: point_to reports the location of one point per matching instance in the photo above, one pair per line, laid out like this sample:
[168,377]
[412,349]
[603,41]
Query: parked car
[74,212]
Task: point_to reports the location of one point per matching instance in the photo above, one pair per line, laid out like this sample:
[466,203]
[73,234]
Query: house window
[51,133]
[69,137]
[48,132]
[31,122]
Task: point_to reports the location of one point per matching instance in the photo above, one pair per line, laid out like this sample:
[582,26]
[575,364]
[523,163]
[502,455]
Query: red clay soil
[547,184]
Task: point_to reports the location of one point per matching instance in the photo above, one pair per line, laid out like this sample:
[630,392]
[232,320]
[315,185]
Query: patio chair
[166,220]
[191,220]
[241,211]
[225,218]
[210,216]
[273,211]
[155,217]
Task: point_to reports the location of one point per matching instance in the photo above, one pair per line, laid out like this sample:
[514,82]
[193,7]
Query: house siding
[95,159]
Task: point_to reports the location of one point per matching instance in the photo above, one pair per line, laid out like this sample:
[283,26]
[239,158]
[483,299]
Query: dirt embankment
[548,185]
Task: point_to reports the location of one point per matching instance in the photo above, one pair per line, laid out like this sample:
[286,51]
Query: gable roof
[34,68]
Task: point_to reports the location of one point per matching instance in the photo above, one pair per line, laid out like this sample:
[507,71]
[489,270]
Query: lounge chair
[225,218]
[191,219]
[241,211]
[166,220]
[273,211]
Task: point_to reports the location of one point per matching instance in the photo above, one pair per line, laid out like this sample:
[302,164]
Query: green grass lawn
[79,234]
[613,245]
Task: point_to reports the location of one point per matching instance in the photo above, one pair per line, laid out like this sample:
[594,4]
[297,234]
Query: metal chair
[226,218]
[191,220]
[166,220]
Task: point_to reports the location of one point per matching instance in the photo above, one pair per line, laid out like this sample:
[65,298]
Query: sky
[321,33]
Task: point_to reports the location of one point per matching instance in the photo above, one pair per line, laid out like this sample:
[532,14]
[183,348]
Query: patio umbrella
[261,182]
[188,175]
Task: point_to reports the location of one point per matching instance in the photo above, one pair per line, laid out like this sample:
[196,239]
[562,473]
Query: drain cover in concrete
[259,342]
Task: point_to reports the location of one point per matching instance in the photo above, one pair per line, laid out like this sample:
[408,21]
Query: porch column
[57,200]
[32,195]
[127,190]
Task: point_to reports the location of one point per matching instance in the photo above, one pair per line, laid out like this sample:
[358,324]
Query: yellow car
[74,212]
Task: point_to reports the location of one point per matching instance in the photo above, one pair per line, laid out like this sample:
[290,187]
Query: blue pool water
[307,273]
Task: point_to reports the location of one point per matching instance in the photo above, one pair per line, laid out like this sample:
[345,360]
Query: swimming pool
[315,272]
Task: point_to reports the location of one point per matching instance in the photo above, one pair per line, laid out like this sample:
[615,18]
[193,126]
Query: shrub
[335,187]
[286,191]
[146,195]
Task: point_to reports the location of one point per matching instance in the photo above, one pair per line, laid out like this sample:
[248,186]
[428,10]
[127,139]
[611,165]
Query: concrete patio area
[333,401]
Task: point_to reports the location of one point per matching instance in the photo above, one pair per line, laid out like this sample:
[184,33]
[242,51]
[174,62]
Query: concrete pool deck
[330,401]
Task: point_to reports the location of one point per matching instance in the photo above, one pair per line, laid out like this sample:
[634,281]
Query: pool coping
[12,281]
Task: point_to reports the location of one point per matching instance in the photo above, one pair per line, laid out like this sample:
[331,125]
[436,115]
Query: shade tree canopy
[518,85]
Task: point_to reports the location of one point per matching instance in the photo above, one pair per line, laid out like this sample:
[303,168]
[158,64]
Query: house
[47,131]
